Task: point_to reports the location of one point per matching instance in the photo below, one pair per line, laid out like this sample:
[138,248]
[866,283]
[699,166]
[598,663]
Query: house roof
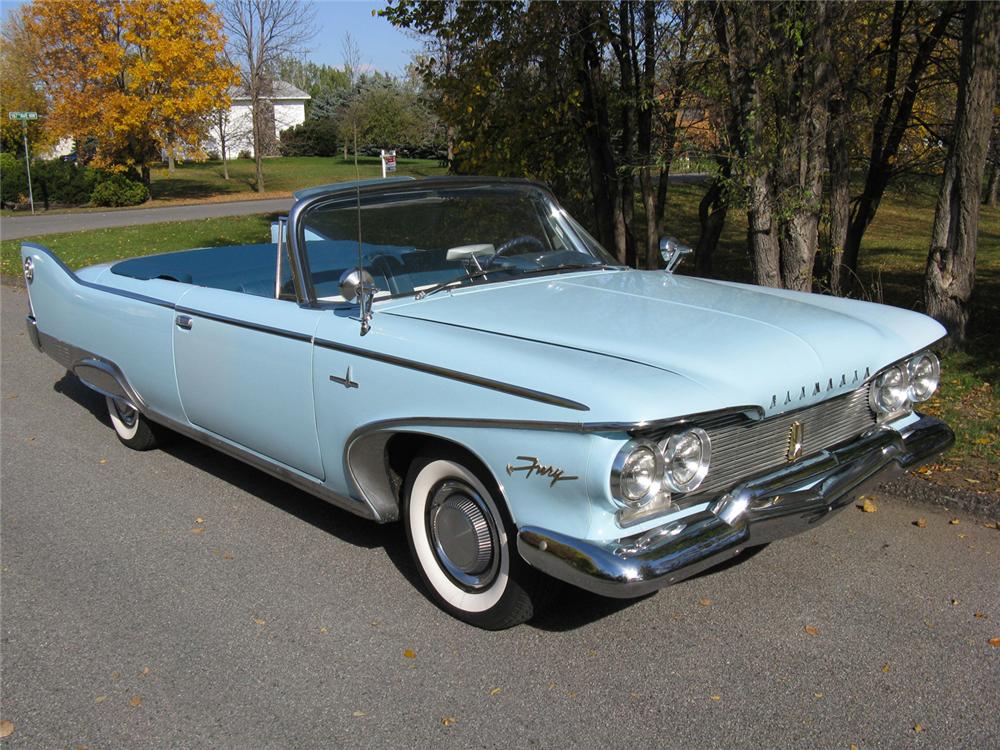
[279,90]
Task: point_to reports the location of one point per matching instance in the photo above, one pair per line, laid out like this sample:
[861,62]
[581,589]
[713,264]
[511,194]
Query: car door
[244,372]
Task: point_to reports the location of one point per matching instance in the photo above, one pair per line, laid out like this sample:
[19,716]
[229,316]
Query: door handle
[185,322]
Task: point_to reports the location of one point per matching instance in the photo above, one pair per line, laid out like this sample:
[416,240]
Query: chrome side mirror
[358,284]
[354,282]
[673,252]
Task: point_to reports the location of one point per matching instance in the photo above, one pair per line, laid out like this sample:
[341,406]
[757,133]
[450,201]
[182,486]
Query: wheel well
[403,447]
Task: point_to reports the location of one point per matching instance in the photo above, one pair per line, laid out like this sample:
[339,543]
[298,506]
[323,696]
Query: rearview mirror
[673,252]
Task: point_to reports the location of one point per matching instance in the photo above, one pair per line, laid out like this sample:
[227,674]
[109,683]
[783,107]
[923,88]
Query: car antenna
[363,299]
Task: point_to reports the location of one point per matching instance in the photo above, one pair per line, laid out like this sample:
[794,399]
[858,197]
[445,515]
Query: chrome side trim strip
[283,332]
[463,377]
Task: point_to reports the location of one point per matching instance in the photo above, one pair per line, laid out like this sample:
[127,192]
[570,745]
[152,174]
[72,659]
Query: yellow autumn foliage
[130,76]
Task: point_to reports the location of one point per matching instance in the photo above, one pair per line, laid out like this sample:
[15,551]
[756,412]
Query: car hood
[772,348]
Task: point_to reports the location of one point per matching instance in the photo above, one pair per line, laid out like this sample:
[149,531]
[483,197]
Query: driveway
[178,598]
[16,227]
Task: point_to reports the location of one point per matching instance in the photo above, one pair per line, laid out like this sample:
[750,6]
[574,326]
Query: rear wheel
[462,541]
[133,429]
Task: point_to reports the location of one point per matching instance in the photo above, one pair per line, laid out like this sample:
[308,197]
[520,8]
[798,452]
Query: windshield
[418,240]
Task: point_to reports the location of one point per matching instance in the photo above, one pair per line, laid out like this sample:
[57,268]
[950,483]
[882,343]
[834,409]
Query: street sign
[388,162]
[23,115]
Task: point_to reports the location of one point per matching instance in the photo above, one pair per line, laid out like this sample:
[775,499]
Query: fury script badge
[556,475]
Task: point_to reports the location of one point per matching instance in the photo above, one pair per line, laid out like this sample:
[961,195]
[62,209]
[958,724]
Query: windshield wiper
[469,276]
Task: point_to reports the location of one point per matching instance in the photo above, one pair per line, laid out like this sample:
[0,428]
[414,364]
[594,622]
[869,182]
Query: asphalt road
[16,227]
[280,622]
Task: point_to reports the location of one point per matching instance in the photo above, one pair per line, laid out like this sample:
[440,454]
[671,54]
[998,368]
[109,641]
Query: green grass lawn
[893,258]
[203,180]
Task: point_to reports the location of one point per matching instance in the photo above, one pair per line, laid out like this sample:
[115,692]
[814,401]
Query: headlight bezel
[671,444]
[621,465]
[882,404]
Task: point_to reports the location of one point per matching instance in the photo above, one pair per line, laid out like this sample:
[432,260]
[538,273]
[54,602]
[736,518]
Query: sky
[383,47]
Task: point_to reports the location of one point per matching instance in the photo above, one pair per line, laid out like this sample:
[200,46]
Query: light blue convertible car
[461,355]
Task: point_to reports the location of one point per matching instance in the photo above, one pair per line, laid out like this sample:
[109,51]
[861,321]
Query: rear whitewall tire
[132,428]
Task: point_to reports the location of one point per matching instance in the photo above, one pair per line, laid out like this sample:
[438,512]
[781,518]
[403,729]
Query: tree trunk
[258,142]
[762,236]
[991,189]
[951,263]
[838,158]
[888,131]
[711,218]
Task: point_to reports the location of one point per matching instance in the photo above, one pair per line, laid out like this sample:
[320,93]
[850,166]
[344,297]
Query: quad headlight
[686,457]
[637,473]
[897,387]
[924,371]
[678,464]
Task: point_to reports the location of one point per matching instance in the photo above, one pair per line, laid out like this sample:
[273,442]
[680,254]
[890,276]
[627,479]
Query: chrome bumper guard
[778,504]
[33,332]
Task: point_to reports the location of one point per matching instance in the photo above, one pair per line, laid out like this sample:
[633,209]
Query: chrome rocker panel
[778,504]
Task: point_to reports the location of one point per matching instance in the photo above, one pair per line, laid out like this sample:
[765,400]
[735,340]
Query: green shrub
[118,190]
[63,183]
[13,181]
[312,138]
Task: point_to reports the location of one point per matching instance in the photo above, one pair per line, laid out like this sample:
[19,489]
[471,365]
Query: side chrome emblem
[795,435]
[533,467]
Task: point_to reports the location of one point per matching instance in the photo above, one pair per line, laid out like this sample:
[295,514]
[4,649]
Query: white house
[288,107]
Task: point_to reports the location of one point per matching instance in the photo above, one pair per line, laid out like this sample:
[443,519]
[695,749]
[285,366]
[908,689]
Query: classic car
[461,355]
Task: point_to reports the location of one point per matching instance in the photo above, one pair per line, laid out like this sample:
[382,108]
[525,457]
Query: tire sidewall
[499,604]
[125,433]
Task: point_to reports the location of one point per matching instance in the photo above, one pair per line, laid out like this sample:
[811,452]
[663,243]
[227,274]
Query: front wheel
[133,429]
[462,541]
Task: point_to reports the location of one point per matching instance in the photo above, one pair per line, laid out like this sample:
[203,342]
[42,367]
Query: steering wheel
[522,240]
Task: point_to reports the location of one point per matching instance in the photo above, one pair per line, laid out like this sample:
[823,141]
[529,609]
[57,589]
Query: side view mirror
[358,284]
[354,282]
[673,252]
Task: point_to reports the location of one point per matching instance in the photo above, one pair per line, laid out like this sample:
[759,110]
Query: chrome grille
[743,447]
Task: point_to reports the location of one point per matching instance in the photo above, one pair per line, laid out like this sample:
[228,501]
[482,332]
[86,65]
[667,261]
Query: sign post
[24,117]
[388,162]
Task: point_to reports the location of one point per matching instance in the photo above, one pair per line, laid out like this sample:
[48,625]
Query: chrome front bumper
[778,504]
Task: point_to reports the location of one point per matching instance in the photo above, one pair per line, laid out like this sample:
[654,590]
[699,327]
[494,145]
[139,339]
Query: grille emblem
[795,435]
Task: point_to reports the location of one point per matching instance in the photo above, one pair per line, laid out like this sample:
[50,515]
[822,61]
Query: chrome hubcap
[125,413]
[463,534]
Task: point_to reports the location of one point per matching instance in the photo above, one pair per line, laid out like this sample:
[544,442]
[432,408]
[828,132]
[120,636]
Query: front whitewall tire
[420,493]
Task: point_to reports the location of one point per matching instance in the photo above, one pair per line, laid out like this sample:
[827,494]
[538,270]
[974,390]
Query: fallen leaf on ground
[198,530]
[103,461]
[918,728]
[954,602]
[868,506]
[885,667]
[260,621]
[854,747]
[227,555]
[495,691]
[115,675]
[920,523]
[358,714]
[146,671]
[715,698]
[100,698]
[199,520]
[135,702]
[448,720]
[6,727]
[811,630]
[410,654]
[817,695]
[995,642]
[980,615]
[954,522]
[705,601]
[324,630]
